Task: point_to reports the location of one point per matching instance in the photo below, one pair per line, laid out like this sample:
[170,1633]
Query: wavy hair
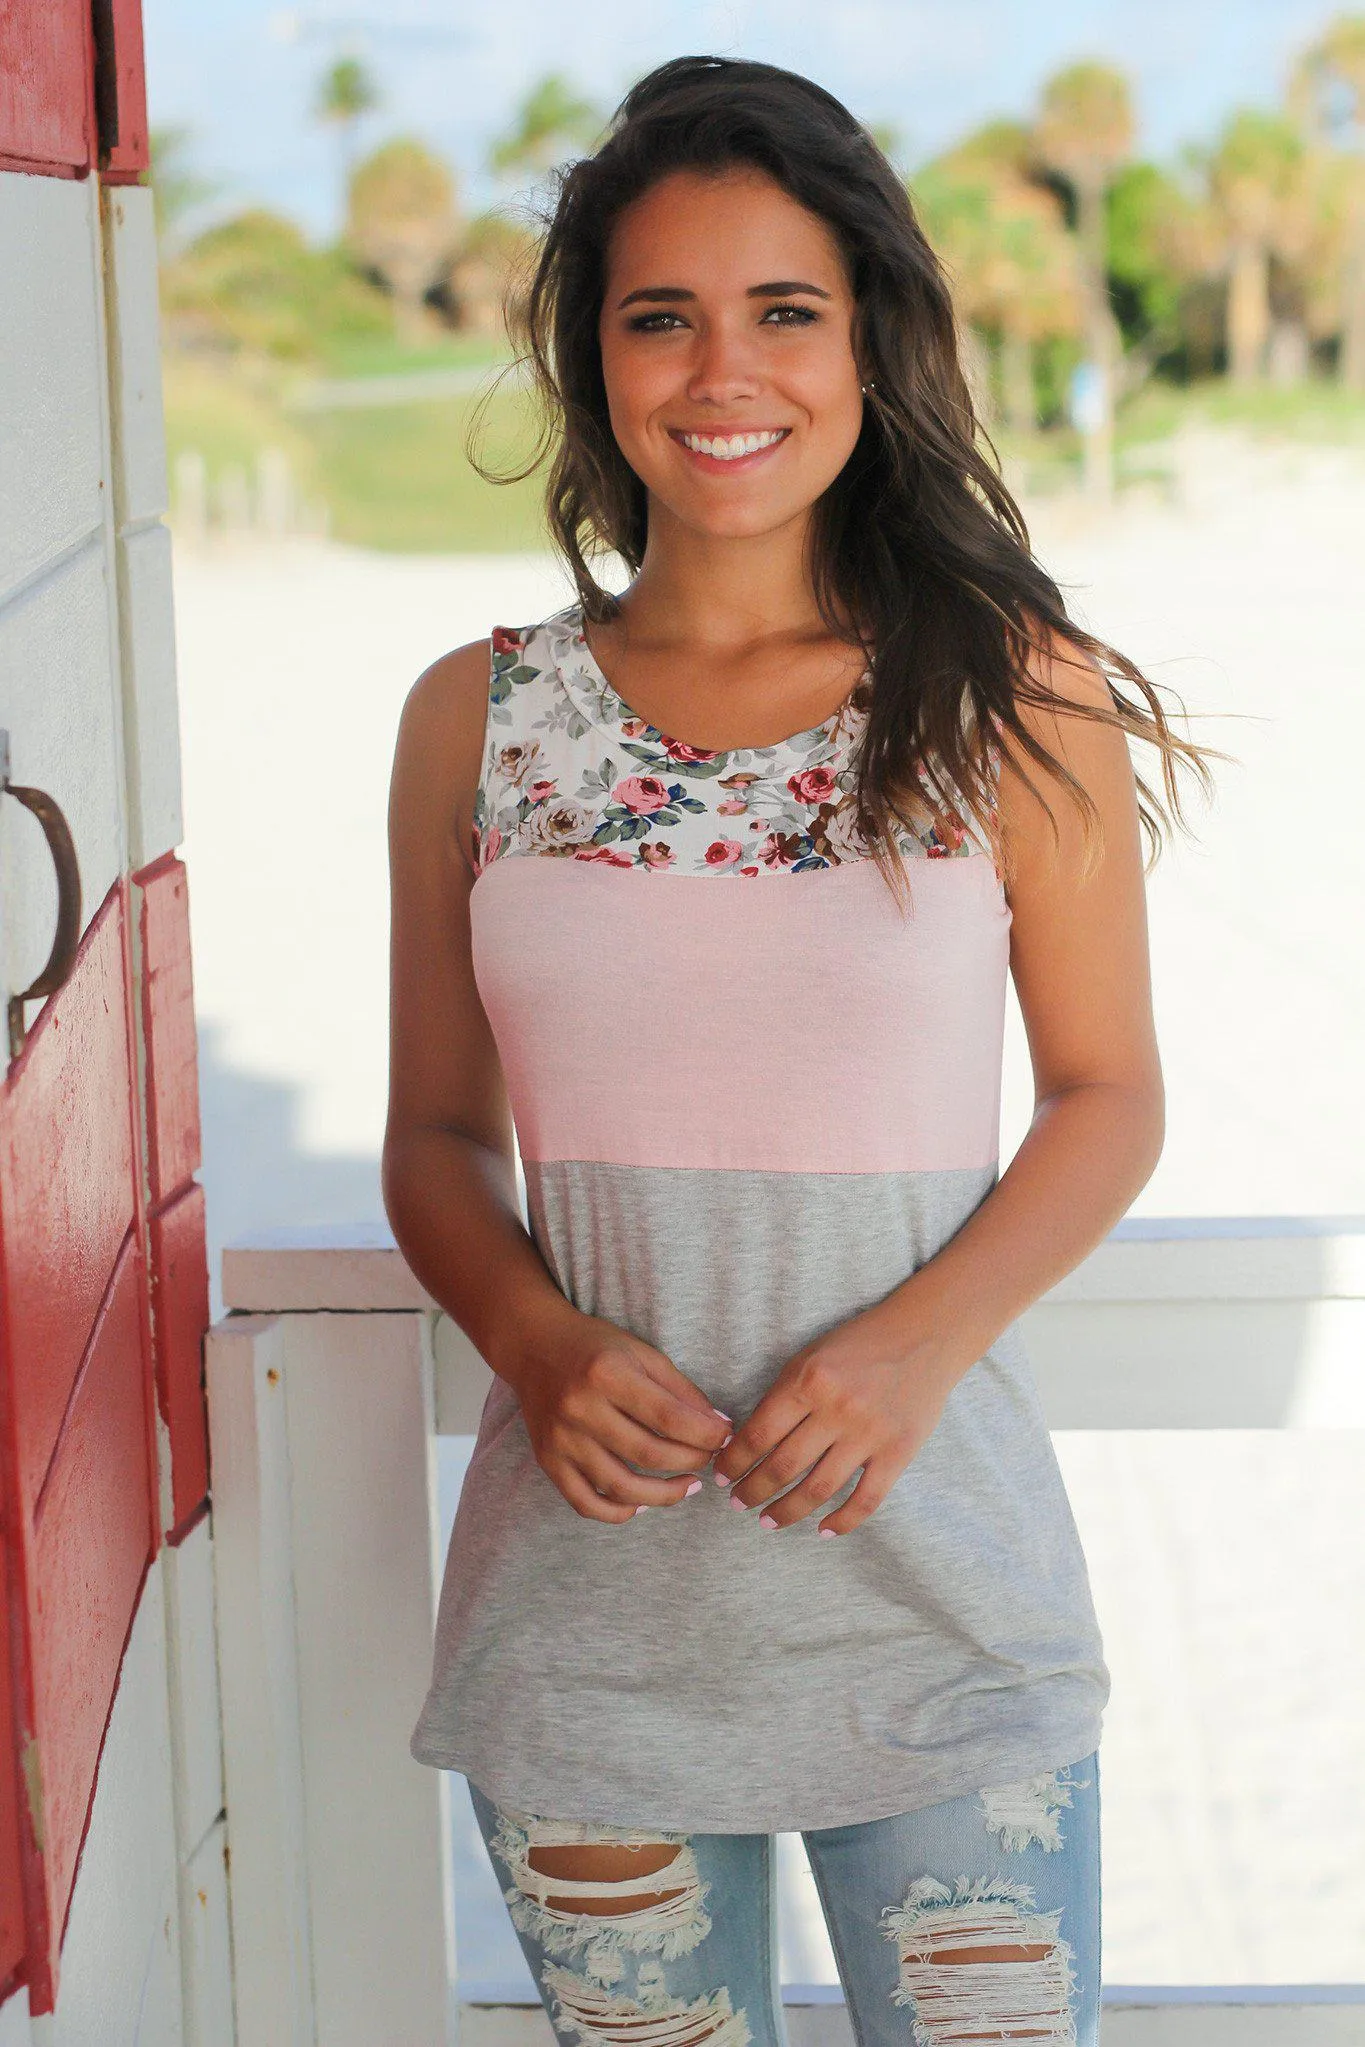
[917,540]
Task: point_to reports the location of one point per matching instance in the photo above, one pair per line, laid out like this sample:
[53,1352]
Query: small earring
[867,388]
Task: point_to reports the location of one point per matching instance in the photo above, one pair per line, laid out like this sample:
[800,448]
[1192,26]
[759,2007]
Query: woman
[711,889]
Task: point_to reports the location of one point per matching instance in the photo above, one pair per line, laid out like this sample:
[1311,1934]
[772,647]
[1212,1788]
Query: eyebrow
[674,293]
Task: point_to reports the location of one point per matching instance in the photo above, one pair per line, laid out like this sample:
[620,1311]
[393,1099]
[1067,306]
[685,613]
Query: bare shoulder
[1070,678]
[1040,820]
[1072,683]
[440,744]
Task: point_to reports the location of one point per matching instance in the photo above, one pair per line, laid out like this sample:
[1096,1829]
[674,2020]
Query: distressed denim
[912,1903]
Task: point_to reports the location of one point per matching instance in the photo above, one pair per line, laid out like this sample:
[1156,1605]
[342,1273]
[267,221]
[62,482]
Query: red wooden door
[103,1289]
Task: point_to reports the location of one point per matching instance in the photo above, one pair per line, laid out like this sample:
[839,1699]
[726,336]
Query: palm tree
[347,92]
[1083,133]
[552,122]
[1327,92]
[1259,188]
[1005,245]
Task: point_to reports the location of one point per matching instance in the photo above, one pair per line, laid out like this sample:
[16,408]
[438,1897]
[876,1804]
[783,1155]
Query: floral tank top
[751,1095]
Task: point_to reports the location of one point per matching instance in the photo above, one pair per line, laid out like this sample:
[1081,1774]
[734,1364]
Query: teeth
[724,450]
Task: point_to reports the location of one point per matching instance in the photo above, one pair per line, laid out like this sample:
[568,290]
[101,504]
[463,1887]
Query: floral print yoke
[643,799]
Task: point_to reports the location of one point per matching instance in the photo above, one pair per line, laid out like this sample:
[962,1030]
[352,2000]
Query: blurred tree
[1005,244]
[1327,95]
[176,188]
[252,287]
[552,122]
[1084,133]
[347,92]
[483,271]
[1261,195]
[403,223]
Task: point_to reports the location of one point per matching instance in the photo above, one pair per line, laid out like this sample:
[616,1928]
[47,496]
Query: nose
[723,367]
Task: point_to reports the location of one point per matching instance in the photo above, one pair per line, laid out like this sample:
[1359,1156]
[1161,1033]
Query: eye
[804,314]
[643,323]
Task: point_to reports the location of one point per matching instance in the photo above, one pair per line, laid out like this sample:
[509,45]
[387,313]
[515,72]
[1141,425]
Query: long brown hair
[917,539]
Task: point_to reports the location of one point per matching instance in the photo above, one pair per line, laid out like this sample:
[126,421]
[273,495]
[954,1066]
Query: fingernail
[721,1479]
[829,1531]
[766,1521]
[729,1439]
[644,1509]
[723,1415]
[695,1487]
[735,1501]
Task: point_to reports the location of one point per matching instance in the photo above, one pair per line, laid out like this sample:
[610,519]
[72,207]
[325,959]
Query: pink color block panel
[788,1023]
[180,1315]
[168,1028]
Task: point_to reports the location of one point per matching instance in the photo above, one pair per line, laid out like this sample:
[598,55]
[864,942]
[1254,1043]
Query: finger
[776,1415]
[786,1462]
[637,1445]
[616,1481]
[825,1478]
[583,1498]
[650,1390]
[872,1488]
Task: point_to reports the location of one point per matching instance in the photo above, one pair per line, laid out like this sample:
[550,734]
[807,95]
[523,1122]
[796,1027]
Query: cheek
[835,403]
[636,384]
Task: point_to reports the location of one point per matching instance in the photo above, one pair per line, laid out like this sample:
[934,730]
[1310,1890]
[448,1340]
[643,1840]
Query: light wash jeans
[974,1920]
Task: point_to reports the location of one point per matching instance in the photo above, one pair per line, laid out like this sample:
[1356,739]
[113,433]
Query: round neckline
[617,710]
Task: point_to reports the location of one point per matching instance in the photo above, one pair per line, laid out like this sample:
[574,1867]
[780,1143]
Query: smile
[730,448]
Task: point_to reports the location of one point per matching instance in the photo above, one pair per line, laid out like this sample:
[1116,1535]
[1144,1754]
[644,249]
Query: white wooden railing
[329,1382]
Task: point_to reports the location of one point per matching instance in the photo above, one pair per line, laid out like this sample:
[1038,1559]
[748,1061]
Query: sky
[454,74]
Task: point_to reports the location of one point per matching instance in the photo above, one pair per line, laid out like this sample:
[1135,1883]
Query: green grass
[370,355]
[397,478]
[1313,411]
[229,418]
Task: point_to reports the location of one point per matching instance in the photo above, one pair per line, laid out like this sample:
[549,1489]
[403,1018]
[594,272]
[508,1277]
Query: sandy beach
[1227,1568]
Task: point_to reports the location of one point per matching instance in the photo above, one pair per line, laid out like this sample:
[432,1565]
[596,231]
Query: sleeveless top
[751,1096]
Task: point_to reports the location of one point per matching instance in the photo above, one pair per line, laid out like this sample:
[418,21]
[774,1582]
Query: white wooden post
[322,1431]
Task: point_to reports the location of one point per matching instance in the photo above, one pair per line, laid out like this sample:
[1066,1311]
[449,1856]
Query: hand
[856,1396]
[594,1396]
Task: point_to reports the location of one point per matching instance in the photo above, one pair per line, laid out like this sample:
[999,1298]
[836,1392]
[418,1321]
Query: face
[728,313]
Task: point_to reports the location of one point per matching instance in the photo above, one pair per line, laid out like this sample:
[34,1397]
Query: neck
[719,592]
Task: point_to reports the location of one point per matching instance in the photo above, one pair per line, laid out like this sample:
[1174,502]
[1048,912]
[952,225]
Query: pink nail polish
[695,1487]
[735,1501]
[729,1439]
[643,1508]
[721,1479]
[828,1531]
[723,1415]
[766,1521]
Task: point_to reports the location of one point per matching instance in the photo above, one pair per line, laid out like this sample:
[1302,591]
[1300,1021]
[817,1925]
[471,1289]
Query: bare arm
[871,1391]
[596,1398]
[1079,958]
[449,1170]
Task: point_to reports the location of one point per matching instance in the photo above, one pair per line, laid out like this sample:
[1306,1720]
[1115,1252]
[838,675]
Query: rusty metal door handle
[67,936]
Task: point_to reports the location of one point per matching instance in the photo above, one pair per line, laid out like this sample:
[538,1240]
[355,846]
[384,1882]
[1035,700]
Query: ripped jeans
[974,1920]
